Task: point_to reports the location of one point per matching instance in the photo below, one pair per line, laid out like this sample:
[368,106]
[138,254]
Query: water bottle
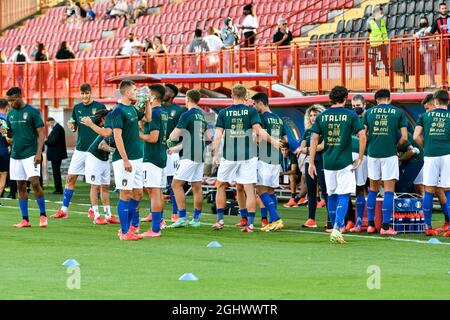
[142,98]
[72,121]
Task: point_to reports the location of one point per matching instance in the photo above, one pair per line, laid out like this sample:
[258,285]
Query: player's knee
[71,180]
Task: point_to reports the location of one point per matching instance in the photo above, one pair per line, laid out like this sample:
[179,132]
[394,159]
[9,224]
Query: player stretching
[239,162]
[337,125]
[269,167]
[87,108]
[192,127]
[98,171]
[433,134]
[127,158]
[383,123]
[174,112]
[27,131]
[155,159]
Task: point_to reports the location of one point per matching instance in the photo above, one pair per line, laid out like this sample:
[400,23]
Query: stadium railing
[12,11]
[317,67]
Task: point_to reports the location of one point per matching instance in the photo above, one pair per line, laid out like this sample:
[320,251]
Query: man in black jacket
[56,151]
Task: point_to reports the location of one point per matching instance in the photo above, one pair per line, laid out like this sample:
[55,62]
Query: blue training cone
[214,244]
[188,277]
[71,263]
[434,241]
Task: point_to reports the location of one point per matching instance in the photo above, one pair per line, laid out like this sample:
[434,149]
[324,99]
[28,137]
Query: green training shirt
[174,112]
[436,132]
[126,118]
[337,125]
[274,126]
[194,122]
[383,123]
[23,124]
[85,134]
[156,153]
[237,122]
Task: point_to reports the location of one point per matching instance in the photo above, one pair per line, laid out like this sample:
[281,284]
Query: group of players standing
[246,148]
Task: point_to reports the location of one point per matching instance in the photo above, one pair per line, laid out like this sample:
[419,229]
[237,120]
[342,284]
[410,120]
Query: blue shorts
[408,173]
[4,160]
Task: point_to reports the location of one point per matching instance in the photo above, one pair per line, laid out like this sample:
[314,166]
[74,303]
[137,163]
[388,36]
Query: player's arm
[403,138]
[121,148]
[104,146]
[263,135]
[41,139]
[362,147]
[217,139]
[152,137]
[408,154]
[292,171]
[175,149]
[320,146]
[176,133]
[312,154]
[148,112]
[418,137]
[104,132]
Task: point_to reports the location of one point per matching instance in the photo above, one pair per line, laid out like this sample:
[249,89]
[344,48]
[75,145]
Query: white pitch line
[286,230]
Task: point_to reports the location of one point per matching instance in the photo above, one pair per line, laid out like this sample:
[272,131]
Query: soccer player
[237,124]
[155,159]
[361,173]
[128,156]
[310,118]
[269,161]
[98,172]
[174,112]
[383,122]
[192,127]
[337,125]
[27,131]
[433,134]
[87,108]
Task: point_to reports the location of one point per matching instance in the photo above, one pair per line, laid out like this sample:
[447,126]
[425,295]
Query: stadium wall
[12,11]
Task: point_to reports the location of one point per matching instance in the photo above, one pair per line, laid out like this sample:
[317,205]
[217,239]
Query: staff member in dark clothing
[56,151]
[282,38]
[4,146]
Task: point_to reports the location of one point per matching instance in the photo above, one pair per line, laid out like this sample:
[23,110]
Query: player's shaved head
[239,92]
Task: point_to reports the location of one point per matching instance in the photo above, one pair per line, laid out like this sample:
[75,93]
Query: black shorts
[4,160]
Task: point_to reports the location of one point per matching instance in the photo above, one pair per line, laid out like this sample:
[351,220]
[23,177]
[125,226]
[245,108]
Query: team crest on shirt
[124,182]
[173,113]
[92,178]
[25,116]
[94,111]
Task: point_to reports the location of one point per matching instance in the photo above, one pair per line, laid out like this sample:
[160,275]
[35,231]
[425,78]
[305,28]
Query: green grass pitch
[292,264]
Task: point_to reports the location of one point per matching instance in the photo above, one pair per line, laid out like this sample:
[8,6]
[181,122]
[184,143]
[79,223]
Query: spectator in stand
[112,4]
[215,45]
[64,53]
[56,151]
[148,46]
[41,55]
[120,9]
[440,25]
[19,56]
[282,38]
[427,49]
[3,58]
[131,47]
[90,13]
[139,8]
[72,10]
[249,27]
[197,46]
[80,12]
[229,34]
[160,47]
[149,52]
[378,40]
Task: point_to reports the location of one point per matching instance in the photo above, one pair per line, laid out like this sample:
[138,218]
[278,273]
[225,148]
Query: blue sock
[123,208]
[156,221]
[67,196]
[263,213]
[41,205]
[197,214]
[23,204]
[271,207]
[388,207]
[341,210]
[173,201]
[445,210]
[133,213]
[251,218]
[243,213]
[447,194]
[274,199]
[220,214]
[360,205]
[332,205]
[427,208]
[371,205]
[182,213]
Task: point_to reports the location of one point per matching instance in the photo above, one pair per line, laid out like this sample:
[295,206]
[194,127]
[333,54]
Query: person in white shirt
[249,26]
[119,10]
[131,47]
[215,44]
